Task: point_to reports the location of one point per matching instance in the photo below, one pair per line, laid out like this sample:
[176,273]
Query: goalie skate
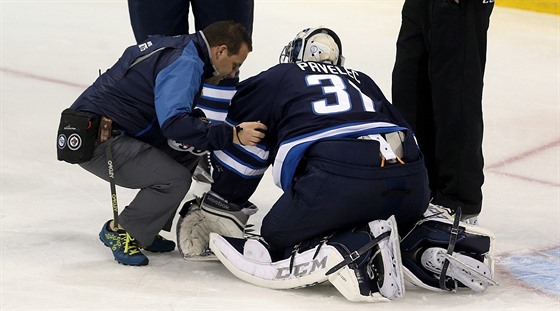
[467,270]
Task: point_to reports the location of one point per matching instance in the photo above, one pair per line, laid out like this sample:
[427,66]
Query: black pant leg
[458,56]
[440,94]
[206,12]
[157,17]
[411,88]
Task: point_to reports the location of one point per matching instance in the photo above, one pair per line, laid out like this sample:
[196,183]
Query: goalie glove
[212,213]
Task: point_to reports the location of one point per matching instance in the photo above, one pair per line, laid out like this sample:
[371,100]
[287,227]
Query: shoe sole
[124,263]
[155,251]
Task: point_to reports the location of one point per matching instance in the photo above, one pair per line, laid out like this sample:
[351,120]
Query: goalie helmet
[314,44]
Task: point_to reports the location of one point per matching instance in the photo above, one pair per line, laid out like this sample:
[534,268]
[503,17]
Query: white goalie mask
[314,44]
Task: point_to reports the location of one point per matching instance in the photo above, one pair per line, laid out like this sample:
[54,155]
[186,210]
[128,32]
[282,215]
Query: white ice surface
[51,212]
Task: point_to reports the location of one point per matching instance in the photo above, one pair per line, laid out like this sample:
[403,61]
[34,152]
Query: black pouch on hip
[77,134]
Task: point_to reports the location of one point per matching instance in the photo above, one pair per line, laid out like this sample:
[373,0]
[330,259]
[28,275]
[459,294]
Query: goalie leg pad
[250,261]
[434,231]
[379,277]
[373,275]
[350,283]
[389,267]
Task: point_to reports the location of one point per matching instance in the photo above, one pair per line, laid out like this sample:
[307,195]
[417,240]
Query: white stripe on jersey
[256,152]
[286,161]
[234,165]
[219,93]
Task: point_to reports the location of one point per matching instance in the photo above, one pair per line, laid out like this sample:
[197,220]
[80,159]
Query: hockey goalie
[352,177]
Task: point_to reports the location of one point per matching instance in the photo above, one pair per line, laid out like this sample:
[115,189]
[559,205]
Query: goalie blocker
[363,264]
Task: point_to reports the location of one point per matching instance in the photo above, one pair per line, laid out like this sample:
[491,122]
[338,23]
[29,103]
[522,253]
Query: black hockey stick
[109,155]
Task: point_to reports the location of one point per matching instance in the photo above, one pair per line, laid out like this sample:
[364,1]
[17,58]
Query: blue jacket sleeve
[188,129]
[177,85]
[175,90]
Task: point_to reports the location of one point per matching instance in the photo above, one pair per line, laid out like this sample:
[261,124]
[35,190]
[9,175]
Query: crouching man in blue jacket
[137,126]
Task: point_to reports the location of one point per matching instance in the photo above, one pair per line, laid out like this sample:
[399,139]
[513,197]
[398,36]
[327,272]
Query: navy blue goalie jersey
[300,103]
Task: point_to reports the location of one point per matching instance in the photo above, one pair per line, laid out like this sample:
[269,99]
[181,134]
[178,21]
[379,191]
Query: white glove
[212,214]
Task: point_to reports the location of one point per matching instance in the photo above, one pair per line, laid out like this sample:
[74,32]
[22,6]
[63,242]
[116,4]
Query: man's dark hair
[228,33]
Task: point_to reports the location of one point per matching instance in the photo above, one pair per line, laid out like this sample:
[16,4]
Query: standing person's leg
[458,53]
[206,12]
[156,17]
[411,90]
[162,181]
[472,173]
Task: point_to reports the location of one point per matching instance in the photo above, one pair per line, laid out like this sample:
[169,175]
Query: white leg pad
[256,268]
[467,270]
[346,282]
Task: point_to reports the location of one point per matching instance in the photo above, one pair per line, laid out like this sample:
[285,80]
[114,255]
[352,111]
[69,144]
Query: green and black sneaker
[124,247]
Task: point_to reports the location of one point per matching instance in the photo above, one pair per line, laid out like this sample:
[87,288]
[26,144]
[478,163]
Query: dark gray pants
[163,177]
